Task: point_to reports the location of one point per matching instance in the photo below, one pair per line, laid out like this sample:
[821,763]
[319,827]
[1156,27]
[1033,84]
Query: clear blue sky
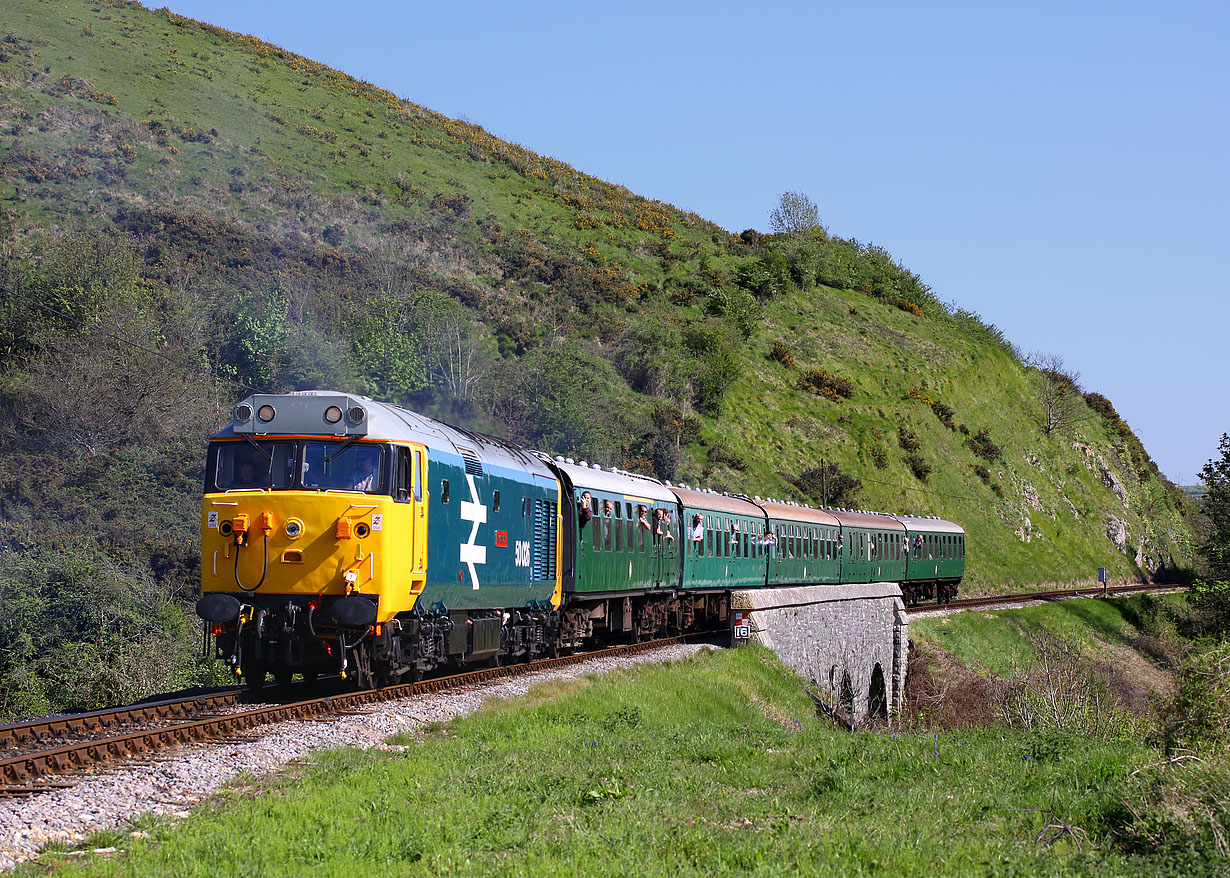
[1058,167]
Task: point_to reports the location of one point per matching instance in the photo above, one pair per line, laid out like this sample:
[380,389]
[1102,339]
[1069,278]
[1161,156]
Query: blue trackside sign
[1101,574]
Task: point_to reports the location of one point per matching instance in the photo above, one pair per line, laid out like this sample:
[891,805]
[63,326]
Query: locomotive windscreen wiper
[268,457]
[329,457]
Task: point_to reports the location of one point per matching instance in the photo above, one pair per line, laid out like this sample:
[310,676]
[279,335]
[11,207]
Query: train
[342,535]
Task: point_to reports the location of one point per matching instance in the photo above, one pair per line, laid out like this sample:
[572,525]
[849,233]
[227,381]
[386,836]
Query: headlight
[294,527]
[266,413]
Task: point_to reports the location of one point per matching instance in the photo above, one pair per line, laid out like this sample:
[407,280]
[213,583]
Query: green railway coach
[724,540]
[801,544]
[936,559]
[873,547]
[625,532]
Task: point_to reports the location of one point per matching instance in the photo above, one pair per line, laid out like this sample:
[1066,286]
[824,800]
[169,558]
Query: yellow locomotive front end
[313,536]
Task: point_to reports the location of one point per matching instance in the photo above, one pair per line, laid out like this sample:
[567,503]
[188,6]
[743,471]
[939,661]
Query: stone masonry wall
[836,636]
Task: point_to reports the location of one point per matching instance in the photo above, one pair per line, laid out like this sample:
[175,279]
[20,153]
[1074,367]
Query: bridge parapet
[850,641]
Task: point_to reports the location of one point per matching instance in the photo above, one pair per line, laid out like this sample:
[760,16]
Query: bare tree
[1059,392]
[452,346]
[796,215]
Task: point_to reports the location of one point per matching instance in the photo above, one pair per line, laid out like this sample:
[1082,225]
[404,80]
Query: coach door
[665,554]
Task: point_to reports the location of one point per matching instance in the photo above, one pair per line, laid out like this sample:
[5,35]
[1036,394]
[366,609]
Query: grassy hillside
[279,225]
[715,765]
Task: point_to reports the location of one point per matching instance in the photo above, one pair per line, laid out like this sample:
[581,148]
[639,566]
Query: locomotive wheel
[283,677]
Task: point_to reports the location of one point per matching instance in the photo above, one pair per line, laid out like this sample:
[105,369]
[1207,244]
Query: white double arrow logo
[472,510]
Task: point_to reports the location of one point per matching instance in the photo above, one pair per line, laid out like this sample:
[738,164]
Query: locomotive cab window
[336,466]
[251,466]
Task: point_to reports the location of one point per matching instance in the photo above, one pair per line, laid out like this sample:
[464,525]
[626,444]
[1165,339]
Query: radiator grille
[542,556]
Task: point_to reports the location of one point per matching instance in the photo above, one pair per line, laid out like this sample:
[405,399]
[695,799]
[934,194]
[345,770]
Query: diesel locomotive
[341,534]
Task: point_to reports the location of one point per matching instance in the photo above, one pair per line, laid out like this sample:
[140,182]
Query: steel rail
[18,773]
[36,730]
[1065,594]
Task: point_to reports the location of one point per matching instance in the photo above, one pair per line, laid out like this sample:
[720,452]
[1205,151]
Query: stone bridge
[850,641]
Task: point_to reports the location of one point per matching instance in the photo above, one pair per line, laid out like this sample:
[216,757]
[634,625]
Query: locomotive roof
[304,414]
[933,525]
[626,484]
[717,502]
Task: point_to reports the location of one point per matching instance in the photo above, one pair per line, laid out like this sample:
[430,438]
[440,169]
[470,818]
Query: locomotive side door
[409,492]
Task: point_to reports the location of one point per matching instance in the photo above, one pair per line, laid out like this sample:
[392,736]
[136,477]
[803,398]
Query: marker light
[333,414]
[266,413]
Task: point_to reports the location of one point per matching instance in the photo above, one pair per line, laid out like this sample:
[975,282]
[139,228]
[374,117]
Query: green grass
[714,766]
[998,641]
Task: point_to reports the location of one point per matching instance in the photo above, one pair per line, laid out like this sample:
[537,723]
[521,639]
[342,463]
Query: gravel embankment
[180,779]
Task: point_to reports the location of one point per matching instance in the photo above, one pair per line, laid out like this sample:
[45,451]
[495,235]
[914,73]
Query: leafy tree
[715,349]
[796,215]
[388,350]
[1216,507]
[549,400]
[647,358]
[254,346]
[738,306]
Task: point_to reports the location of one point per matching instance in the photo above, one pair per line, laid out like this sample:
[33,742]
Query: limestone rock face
[1117,530]
[1097,464]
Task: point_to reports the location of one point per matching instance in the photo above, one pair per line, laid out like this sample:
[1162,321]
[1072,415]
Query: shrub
[1062,691]
[985,474]
[781,353]
[907,440]
[826,384]
[918,466]
[909,307]
[721,454]
[980,443]
[738,306]
[944,413]
[940,694]
[829,485]
[879,457]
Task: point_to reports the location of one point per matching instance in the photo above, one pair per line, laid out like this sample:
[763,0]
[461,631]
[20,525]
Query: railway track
[66,744]
[1065,594]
